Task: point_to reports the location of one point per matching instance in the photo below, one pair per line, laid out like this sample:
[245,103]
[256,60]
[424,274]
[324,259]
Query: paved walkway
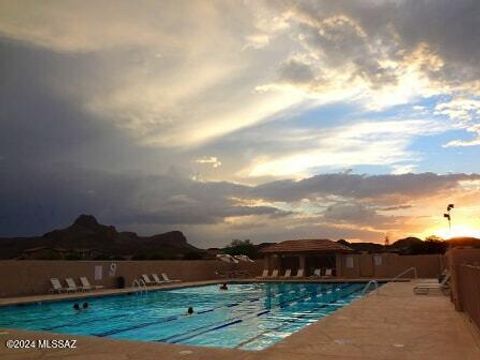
[392,325]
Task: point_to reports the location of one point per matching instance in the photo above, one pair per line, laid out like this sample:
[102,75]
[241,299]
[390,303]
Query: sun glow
[458,231]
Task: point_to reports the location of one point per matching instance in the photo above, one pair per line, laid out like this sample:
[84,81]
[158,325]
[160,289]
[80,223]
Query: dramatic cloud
[240,119]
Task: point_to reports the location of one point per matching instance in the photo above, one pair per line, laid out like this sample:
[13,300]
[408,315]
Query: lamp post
[449,216]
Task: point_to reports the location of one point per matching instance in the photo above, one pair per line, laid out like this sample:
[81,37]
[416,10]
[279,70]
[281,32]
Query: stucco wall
[390,265]
[457,257]
[29,277]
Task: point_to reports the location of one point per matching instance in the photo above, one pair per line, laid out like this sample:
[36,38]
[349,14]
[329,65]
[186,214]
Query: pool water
[251,316]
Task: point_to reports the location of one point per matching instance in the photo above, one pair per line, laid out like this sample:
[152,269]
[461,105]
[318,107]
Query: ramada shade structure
[307,245]
[303,256]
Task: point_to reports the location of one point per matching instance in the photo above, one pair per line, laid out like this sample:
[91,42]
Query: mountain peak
[87,221]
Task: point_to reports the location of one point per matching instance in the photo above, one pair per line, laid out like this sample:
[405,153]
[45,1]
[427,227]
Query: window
[377,259]
[349,262]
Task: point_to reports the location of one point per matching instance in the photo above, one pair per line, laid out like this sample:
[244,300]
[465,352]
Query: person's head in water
[190,311]
[224,286]
[85,305]
[76,306]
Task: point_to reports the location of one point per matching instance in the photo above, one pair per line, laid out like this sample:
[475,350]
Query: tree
[432,245]
[434,238]
[242,247]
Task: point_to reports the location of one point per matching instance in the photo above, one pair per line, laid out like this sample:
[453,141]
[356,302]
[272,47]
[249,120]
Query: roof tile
[307,245]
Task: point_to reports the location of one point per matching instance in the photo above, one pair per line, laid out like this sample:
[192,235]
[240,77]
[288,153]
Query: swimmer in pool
[224,286]
[190,311]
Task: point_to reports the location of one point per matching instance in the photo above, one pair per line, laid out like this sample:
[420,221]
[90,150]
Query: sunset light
[458,231]
[233,179]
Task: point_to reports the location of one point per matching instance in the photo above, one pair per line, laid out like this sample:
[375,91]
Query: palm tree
[449,216]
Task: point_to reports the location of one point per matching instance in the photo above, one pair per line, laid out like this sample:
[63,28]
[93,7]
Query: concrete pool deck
[395,324]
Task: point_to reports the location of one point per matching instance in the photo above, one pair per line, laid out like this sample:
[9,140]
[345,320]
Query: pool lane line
[68,324]
[234,322]
[138,326]
[164,320]
[122,315]
[249,314]
[243,318]
[215,324]
[295,319]
[82,322]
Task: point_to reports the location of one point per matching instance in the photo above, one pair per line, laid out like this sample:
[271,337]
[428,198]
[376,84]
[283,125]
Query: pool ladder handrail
[405,272]
[140,285]
[371,282]
[375,282]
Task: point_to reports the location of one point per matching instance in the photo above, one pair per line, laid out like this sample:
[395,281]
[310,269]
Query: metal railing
[140,286]
[377,287]
[371,282]
[414,269]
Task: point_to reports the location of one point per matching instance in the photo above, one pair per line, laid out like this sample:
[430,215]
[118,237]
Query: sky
[262,120]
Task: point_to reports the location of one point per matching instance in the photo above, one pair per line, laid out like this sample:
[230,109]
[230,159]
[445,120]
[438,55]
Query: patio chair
[427,287]
[56,286]
[328,273]
[316,273]
[167,279]
[274,274]
[288,273]
[265,273]
[71,286]
[147,280]
[86,286]
[300,273]
[157,280]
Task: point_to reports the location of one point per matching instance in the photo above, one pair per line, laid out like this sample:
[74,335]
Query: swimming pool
[250,316]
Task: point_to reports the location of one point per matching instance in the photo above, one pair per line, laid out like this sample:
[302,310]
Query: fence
[468,291]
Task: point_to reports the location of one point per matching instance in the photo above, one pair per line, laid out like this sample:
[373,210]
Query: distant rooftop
[307,245]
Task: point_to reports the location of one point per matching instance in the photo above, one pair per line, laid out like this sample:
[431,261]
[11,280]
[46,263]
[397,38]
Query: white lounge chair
[425,288]
[167,279]
[147,280]
[328,273]
[265,273]
[288,273]
[157,280]
[300,273]
[71,286]
[86,286]
[317,273]
[56,286]
[274,273]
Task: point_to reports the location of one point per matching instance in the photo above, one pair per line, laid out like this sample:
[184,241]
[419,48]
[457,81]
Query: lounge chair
[288,273]
[147,280]
[56,286]
[157,280]
[426,287]
[316,273]
[71,286]
[300,273]
[167,279]
[86,285]
[274,274]
[328,273]
[265,273]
